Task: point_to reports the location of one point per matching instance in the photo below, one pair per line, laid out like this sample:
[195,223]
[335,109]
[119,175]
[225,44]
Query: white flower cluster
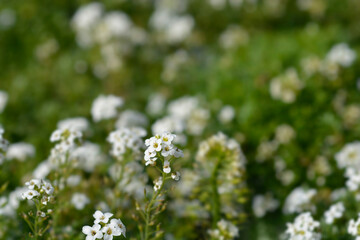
[264,203]
[66,138]
[349,156]
[78,123]
[170,26]
[105,107]
[353,182]
[285,87]
[354,228]
[160,146]
[299,200]
[3,146]
[66,142]
[40,190]
[225,231]
[20,151]
[87,156]
[10,204]
[79,200]
[342,55]
[131,118]
[126,139]
[335,211]
[303,228]
[184,113]
[233,36]
[339,55]
[104,227]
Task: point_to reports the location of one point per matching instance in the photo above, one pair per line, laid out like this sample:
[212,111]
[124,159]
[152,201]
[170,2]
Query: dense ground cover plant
[165,119]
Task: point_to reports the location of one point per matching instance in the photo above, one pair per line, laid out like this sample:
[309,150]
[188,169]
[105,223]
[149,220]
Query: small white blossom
[102,217]
[336,211]
[93,232]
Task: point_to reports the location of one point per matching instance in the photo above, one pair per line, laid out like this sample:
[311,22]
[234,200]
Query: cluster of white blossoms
[77,123]
[264,203]
[112,32]
[335,211]
[353,178]
[342,55]
[286,86]
[303,228]
[349,159]
[131,118]
[66,141]
[184,114]
[87,156]
[299,200]
[104,227]
[233,36]
[40,190]
[225,231]
[126,139]
[339,56]
[20,151]
[349,156]
[3,146]
[106,107]
[170,24]
[354,228]
[79,200]
[161,147]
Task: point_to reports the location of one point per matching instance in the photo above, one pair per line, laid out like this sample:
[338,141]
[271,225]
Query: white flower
[79,124]
[336,211]
[175,176]
[105,107]
[299,200]
[110,231]
[168,150]
[349,156]
[157,184]
[224,230]
[286,86]
[92,232]
[303,228]
[79,200]
[20,151]
[29,194]
[102,217]
[32,183]
[166,167]
[342,55]
[226,114]
[353,227]
[264,203]
[178,153]
[47,187]
[119,226]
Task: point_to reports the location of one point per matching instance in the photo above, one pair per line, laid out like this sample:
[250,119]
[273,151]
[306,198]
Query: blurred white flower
[79,200]
[105,107]
[20,151]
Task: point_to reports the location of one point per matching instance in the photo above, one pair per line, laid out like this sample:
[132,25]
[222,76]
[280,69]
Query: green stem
[215,193]
[149,208]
